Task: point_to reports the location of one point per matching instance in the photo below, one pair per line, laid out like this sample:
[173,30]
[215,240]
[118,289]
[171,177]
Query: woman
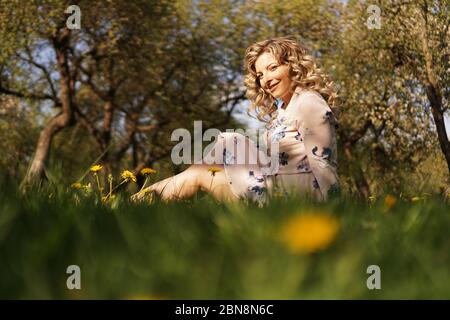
[300,134]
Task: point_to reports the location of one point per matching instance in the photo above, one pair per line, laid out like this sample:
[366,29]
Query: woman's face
[274,77]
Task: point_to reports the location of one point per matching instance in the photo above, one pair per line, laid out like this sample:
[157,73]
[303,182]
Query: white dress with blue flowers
[304,133]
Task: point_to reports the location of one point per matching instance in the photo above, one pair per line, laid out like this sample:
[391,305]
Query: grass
[201,249]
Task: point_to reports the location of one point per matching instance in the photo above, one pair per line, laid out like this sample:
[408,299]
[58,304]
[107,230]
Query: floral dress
[298,154]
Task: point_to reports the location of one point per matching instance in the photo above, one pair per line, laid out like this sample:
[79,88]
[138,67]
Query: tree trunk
[36,172]
[438,117]
[435,97]
[433,91]
[358,175]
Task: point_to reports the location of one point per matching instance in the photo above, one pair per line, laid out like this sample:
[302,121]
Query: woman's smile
[272,87]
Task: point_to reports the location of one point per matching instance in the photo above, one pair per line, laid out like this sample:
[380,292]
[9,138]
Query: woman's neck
[286,99]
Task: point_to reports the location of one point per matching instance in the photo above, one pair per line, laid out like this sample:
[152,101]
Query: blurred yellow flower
[278,194]
[213,170]
[76,186]
[415,199]
[309,232]
[389,201]
[87,187]
[128,175]
[147,171]
[96,168]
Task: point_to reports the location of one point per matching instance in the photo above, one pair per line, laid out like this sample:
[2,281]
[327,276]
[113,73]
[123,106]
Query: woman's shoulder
[307,102]
[310,96]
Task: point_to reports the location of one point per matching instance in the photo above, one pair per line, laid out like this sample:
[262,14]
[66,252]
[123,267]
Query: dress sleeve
[314,120]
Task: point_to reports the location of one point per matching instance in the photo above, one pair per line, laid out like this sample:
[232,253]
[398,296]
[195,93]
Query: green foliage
[157,60]
[18,132]
[201,249]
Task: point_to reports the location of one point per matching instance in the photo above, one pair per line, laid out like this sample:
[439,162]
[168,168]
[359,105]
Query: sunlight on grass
[291,248]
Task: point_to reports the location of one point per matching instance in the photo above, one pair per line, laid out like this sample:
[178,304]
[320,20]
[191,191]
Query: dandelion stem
[110,188]
[143,186]
[98,184]
[119,185]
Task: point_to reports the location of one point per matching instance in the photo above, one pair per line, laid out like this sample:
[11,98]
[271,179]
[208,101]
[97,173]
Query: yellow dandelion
[76,186]
[147,171]
[309,232]
[128,175]
[389,201]
[96,168]
[415,199]
[213,170]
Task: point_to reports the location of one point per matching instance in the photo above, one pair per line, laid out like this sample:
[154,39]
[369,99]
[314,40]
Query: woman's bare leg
[185,184]
[218,185]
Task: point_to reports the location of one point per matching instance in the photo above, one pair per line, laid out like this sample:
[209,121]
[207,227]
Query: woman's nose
[264,81]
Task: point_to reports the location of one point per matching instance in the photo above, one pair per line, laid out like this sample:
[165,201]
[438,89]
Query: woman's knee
[203,177]
[195,173]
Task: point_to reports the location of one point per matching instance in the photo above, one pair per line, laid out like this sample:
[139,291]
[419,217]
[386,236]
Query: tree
[121,80]
[25,28]
[385,102]
[18,131]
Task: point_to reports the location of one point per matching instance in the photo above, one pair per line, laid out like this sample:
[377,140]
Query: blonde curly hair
[303,71]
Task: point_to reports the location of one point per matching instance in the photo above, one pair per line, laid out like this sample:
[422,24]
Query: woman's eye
[273,68]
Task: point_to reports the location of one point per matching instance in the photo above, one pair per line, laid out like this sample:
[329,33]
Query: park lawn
[202,249]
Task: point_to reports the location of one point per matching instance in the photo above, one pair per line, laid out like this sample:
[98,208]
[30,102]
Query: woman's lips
[273,86]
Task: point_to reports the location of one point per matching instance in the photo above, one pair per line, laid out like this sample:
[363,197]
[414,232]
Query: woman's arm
[312,115]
